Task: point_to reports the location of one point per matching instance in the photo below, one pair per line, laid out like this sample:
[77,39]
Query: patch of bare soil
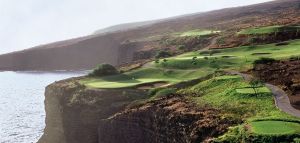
[285,74]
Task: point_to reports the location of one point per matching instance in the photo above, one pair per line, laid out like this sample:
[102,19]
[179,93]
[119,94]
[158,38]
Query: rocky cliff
[171,119]
[77,114]
[73,111]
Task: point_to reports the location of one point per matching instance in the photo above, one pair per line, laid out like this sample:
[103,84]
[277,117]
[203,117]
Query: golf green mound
[269,30]
[197,32]
[274,127]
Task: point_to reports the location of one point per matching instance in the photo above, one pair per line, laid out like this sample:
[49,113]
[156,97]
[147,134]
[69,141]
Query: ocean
[22,114]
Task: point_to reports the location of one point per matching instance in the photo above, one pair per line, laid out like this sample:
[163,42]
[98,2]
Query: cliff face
[166,120]
[76,114]
[73,112]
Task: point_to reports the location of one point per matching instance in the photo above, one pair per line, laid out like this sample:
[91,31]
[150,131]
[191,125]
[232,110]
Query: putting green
[274,127]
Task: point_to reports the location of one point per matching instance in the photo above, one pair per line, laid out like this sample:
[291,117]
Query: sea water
[22,113]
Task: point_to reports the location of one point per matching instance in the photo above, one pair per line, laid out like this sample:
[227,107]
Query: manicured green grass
[234,58]
[261,116]
[221,93]
[268,30]
[142,76]
[182,68]
[197,32]
[251,90]
[274,127]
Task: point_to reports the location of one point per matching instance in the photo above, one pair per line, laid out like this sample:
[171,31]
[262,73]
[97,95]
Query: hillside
[224,76]
[137,41]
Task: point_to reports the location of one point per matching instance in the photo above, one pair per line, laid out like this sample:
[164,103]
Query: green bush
[181,47]
[165,92]
[162,54]
[210,52]
[295,58]
[221,41]
[153,91]
[104,70]
[264,61]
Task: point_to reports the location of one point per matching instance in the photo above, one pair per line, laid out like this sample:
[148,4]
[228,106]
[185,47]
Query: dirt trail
[212,43]
[281,98]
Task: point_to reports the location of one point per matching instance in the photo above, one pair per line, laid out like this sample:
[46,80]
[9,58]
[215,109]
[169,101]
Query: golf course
[252,105]
[194,65]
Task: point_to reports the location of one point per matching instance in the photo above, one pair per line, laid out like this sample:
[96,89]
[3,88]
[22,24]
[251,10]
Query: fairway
[268,30]
[142,76]
[240,58]
[275,127]
[197,32]
[185,67]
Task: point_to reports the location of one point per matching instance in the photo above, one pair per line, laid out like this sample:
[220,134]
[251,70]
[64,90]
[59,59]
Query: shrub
[282,44]
[162,54]
[264,61]
[104,70]
[153,91]
[210,52]
[252,40]
[181,47]
[204,53]
[165,92]
[168,72]
[221,41]
[294,58]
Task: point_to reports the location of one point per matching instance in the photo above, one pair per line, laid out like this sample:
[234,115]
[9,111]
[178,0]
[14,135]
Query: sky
[28,23]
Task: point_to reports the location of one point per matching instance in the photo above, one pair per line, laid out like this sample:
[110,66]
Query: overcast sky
[27,23]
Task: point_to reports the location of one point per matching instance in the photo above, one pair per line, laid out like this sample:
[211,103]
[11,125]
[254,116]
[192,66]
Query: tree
[162,54]
[157,61]
[181,47]
[104,70]
[194,62]
[255,84]
[264,60]
[164,62]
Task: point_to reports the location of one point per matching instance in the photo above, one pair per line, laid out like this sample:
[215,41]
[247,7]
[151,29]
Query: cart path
[281,98]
